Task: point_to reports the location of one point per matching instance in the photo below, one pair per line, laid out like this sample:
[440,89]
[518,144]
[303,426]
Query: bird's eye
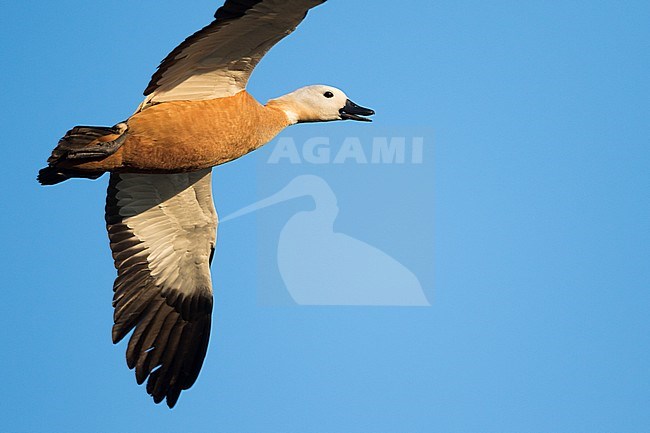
[328,94]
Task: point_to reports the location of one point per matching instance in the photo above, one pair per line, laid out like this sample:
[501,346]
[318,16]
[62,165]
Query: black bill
[354,112]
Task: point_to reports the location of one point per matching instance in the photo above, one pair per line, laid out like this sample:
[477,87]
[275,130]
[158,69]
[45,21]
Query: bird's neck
[284,108]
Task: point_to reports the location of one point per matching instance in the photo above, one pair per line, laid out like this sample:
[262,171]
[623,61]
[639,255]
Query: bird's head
[319,103]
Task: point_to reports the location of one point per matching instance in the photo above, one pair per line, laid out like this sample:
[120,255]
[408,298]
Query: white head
[319,103]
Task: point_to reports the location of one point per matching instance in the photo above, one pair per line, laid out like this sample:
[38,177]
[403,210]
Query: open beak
[354,112]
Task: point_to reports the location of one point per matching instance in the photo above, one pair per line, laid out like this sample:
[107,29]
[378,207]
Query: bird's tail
[81,144]
[53,175]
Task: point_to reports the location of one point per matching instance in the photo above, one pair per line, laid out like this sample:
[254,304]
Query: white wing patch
[175,221]
[217,61]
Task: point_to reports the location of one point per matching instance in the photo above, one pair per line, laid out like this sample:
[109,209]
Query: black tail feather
[81,144]
[54,175]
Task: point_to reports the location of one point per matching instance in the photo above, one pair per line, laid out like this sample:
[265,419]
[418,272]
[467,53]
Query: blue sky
[531,222]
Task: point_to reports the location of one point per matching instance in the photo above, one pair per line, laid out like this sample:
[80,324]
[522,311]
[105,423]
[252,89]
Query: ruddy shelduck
[159,211]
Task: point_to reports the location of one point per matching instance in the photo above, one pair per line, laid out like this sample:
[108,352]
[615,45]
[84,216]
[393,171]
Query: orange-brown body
[182,136]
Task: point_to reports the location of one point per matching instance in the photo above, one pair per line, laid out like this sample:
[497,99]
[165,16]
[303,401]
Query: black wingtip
[172,397]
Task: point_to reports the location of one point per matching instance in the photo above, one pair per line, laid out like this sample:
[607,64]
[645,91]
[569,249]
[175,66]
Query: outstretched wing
[217,60]
[162,231]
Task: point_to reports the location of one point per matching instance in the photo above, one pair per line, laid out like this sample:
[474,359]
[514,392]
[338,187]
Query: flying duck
[160,215]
